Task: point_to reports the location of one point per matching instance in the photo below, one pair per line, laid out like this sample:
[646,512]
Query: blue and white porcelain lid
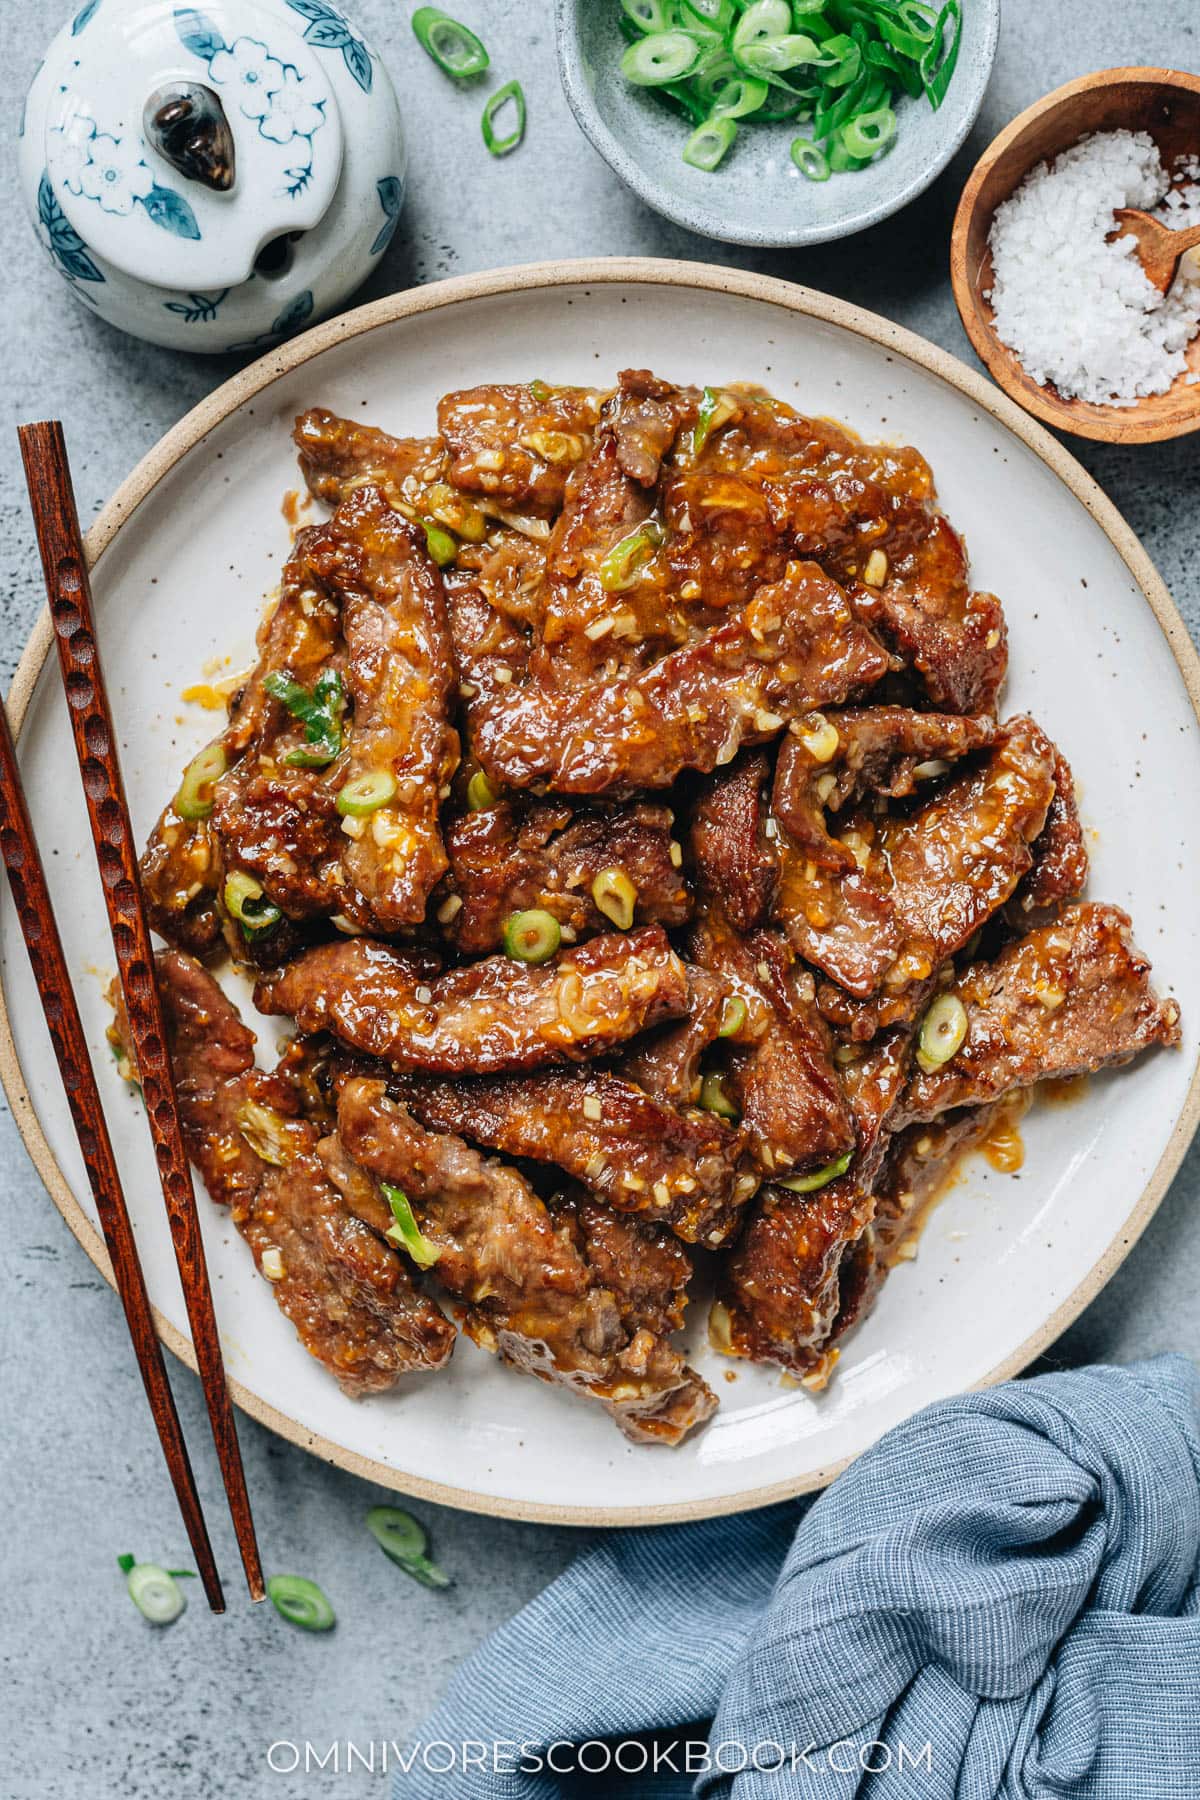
[134,206]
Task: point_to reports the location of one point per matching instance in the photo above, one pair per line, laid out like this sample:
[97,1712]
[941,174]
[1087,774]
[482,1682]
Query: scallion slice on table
[511,94]
[155,1592]
[404,1232]
[452,45]
[402,1540]
[301,1602]
[840,63]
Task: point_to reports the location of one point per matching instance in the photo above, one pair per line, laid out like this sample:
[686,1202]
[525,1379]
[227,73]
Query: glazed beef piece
[349,1295]
[736,862]
[666,1063]
[1068,998]
[505,859]
[914,888]
[516,443]
[525,1276]
[919,1163]
[400,674]
[339,456]
[829,761]
[796,646]
[180,873]
[597,615]
[1060,858]
[780,1290]
[783,1081]
[680,1168]
[489,1017]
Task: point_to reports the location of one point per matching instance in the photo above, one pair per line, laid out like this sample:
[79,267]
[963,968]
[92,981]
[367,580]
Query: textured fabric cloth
[1002,1598]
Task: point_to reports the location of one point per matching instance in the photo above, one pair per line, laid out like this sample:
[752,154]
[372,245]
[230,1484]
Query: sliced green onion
[533,936]
[615,896]
[649,15]
[366,793]
[246,902]
[761,20]
[714,15]
[682,98]
[733,1016]
[943,1031]
[512,93]
[126,1562]
[938,65]
[810,159]
[739,96]
[429,1574]
[441,545]
[709,144]
[882,56]
[155,1593]
[775,56]
[841,61]
[480,792]
[705,414]
[195,797]
[808,1184]
[320,712]
[662,57]
[869,133]
[453,46]
[714,1098]
[540,391]
[709,78]
[405,1233]
[300,1602]
[396,1532]
[840,159]
[620,566]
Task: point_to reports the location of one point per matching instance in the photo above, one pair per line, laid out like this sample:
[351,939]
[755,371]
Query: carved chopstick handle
[69,592]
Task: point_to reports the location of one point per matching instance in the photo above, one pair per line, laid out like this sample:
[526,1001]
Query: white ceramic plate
[185,553]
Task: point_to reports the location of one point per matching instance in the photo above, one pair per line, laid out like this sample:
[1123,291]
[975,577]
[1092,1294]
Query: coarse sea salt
[1080,312]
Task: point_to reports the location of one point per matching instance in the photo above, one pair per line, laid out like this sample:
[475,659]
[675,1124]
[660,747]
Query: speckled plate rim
[708,221]
[702,277]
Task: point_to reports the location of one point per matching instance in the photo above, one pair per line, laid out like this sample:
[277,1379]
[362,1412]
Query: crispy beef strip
[637,1155]
[666,1063]
[780,1289]
[586,624]
[791,1103]
[828,761]
[1060,858]
[349,1295]
[796,646]
[401,677]
[919,1163]
[923,883]
[517,442]
[1070,997]
[533,1294]
[737,864]
[184,862]
[504,859]
[489,1017]
[770,482]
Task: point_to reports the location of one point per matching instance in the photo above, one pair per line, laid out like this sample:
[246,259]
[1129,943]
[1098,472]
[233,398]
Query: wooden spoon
[1158,247]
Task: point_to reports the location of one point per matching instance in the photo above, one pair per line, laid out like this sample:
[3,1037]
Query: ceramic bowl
[757,196]
[1164,102]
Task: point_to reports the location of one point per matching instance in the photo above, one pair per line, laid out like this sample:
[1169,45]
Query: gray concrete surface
[91,1701]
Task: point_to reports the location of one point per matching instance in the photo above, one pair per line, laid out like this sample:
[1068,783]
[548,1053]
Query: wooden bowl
[1164,102]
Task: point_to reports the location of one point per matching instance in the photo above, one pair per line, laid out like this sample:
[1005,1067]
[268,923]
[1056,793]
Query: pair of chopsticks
[65,568]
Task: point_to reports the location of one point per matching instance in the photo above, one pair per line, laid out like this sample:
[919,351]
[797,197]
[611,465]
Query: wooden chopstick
[31,897]
[64,565]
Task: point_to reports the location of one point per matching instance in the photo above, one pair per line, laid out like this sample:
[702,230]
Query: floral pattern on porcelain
[270,92]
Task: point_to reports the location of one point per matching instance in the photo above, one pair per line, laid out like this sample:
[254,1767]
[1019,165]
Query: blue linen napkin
[1001,1598]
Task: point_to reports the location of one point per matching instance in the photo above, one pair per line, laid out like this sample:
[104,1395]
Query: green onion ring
[300,1602]
[709,143]
[453,46]
[513,92]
